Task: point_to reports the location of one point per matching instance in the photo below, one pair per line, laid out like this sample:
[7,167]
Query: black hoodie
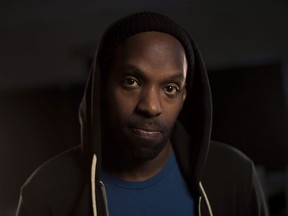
[221,179]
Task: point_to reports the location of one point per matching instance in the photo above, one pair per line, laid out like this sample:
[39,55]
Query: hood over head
[191,136]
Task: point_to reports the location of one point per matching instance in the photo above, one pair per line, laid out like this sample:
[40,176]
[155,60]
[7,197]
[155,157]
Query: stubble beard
[126,149]
[144,151]
[123,147]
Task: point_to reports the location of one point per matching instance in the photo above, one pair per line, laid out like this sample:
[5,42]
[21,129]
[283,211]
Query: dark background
[46,47]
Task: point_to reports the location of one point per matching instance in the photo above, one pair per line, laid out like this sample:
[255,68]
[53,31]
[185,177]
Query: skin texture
[144,94]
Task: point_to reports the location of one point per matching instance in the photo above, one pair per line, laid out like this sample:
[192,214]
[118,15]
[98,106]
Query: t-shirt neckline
[131,185]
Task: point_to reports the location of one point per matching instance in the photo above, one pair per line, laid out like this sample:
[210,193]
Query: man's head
[145,70]
[145,92]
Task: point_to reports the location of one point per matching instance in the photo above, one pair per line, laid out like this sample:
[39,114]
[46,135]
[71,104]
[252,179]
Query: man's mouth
[149,133]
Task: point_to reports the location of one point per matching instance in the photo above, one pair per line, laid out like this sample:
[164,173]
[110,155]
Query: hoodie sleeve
[30,205]
[256,204]
[231,183]
[21,209]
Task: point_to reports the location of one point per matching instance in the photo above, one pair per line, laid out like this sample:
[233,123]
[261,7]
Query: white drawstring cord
[206,200]
[93,174]
[199,205]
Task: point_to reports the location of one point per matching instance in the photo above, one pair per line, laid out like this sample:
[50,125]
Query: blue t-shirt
[165,193]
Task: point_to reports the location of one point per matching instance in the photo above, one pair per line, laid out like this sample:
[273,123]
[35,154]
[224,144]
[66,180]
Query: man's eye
[130,82]
[171,90]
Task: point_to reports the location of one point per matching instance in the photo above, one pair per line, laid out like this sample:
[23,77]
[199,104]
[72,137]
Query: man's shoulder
[226,167]
[230,179]
[55,173]
[224,155]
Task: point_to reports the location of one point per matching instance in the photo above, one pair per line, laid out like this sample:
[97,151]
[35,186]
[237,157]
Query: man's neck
[130,170]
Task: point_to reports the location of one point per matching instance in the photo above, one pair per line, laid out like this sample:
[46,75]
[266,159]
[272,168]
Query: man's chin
[143,153]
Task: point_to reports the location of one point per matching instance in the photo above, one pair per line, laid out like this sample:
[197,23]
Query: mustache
[145,123]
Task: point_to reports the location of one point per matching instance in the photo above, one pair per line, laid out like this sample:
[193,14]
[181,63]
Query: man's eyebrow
[178,77]
[133,70]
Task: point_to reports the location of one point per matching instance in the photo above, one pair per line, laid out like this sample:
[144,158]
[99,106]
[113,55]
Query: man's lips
[146,132]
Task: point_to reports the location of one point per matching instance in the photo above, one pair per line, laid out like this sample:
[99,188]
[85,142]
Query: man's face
[145,92]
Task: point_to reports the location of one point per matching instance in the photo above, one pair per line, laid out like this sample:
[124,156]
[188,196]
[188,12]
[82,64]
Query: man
[146,149]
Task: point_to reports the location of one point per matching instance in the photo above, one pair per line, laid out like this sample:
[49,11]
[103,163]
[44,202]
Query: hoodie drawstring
[93,187]
[199,205]
[206,201]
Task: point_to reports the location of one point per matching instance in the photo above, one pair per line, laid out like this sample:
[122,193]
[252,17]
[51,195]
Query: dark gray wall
[39,39]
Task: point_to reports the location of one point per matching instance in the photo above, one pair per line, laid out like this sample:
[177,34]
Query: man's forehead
[151,44]
[151,51]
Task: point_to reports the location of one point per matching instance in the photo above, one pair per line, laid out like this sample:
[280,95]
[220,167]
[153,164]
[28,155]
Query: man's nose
[150,103]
